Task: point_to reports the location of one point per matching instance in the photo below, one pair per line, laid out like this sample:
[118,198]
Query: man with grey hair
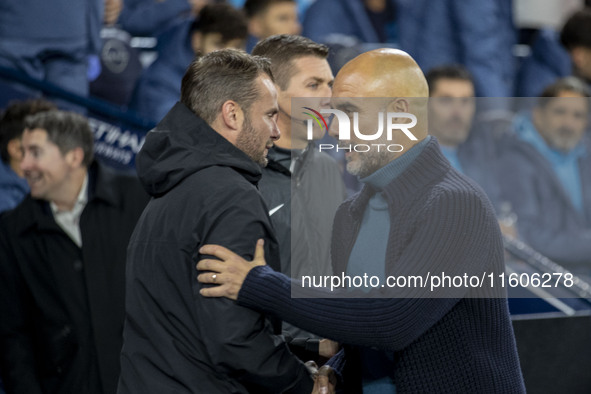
[62,254]
[201,165]
[546,171]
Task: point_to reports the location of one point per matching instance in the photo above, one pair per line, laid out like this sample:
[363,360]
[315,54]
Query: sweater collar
[380,178]
[429,166]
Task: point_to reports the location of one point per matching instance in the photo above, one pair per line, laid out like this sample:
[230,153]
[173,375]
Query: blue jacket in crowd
[547,218]
[478,34]
[48,21]
[51,40]
[548,61]
[149,17]
[159,87]
[343,17]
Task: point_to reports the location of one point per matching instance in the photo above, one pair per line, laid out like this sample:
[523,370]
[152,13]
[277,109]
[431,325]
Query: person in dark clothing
[301,185]
[556,55]
[438,220]
[201,165]
[547,175]
[267,18]
[62,258]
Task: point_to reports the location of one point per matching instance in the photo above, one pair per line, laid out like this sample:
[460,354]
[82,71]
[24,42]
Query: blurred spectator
[548,61]
[535,14]
[479,34]
[13,186]
[51,40]
[218,26]
[270,17]
[547,175]
[302,5]
[119,63]
[554,56]
[576,38]
[152,17]
[370,21]
[62,254]
[469,148]
[120,68]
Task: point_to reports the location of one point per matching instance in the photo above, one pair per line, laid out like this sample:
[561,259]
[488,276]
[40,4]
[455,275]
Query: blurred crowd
[133,52]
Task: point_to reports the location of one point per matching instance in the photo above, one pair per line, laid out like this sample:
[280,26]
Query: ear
[196,41]
[577,55]
[254,27]
[232,118]
[399,105]
[75,157]
[14,149]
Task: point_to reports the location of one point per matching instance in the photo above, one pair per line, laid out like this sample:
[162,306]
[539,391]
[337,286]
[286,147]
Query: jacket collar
[34,213]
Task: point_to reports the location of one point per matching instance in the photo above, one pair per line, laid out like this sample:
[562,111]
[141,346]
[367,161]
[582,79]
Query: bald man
[437,220]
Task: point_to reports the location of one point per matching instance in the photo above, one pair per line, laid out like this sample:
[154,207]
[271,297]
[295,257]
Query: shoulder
[22,216]
[457,195]
[219,188]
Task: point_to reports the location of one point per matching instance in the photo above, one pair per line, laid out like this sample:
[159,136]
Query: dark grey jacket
[546,217]
[308,200]
[176,341]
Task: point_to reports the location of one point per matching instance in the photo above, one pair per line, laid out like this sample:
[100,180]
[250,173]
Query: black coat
[61,306]
[175,340]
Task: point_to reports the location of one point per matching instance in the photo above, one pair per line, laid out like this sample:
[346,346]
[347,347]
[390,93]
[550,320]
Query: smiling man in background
[62,263]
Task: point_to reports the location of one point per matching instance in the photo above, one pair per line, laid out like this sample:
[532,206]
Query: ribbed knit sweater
[440,221]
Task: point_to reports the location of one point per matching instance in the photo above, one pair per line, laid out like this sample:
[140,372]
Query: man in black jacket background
[201,164]
[62,259]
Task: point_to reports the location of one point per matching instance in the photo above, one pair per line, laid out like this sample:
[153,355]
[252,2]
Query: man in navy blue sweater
[414,215]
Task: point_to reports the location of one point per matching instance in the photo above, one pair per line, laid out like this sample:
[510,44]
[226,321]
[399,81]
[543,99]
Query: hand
[228,272]
[325,381]
[327,348]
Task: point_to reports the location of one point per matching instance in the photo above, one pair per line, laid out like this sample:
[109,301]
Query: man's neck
[67,199]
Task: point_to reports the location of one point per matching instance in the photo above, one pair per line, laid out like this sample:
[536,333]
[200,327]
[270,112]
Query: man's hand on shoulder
[229,272]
